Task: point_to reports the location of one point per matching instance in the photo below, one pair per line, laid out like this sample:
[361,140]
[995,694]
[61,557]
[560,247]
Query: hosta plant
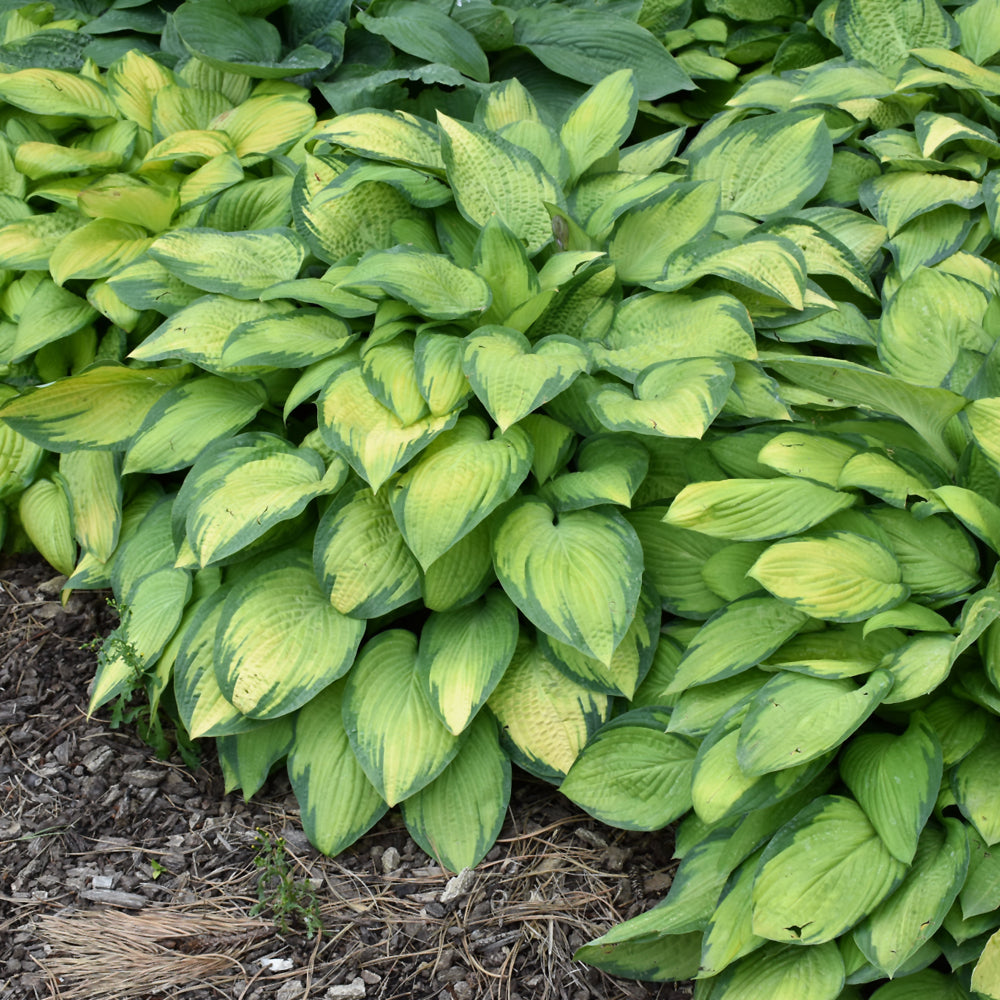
[535,424]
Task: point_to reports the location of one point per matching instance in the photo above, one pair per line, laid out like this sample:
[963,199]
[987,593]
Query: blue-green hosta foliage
[663,464]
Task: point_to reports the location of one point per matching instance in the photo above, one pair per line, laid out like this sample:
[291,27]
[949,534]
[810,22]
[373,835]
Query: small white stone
[277,964]
[354,990]
[390,860]
[102,882]
[458,886]
[294,990]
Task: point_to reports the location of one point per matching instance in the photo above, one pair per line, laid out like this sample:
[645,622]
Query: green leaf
[398,739]
[457,817]
[769,164]
[361,558]
[50,314]
[896,198]
[754,509]
[425,31]
[821,873]
[287,340]
[512,377]
[338,801]
[369,435]
[972,783]
[836,651]
[741,635]
[795,718]
[45,515]
[463,654]
[97,250]
[632,774]
[101,408]
[600,121]
[391,135]
[241,265]
[609,469]
[545,718]
[247,758]
[188,418]
[55,92]
[672,399]
[491,176]
[575,576]
[894,931]
[588,45]
[883,33]
[94,486]
[278,641]
[896,780]
[840,576]
[784,972]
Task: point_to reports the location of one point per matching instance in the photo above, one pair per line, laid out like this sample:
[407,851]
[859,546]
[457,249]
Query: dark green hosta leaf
[279,641]
[423,30]
[632,774]
[588,45]
[821,873]
[765,165]
[400,742]
[457,817]
[576,576]
[896,780]
[338,801]
[894,931]
[218,35]
[795,718]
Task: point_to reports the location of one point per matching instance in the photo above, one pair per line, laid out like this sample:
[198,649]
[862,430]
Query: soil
[125,876]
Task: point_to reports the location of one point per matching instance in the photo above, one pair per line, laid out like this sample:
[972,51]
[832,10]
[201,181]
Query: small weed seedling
[292,901]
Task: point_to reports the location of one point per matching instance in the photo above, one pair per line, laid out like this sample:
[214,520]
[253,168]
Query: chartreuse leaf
[600,121]
[425,31]
[500,259]
[240,265]
[894,931]
[131,200]
[821,873]
[839,576]
[882,33]
[93,482]
[395,136]
[398,739]
[429,282]
[795,718]
[630,661]
[769,164]
[19,459]
[201,704]
[783,972]
[369,435]
[361,558]
[45,514]
[457,817]
[512,377]
[643,237]
[100,408]
[896,198]
[199,331]
[50,314]
[836,651]
[455,483]
[437,364]
[663,326]
[491,176]
[672,399]
[728,935]
[55,92]
[462,574]
[657,960]
[463,654]
[588,45]
[574,575]
[338,801]
[972,781]
[896,780]
[240,489]
[984,422]
[97,250]
[808,456]
[27,243]
[247,758]
[632,774]
[754,509]
[741,635]
[278,640]
[609,469]
[545,718]
[287,340]
[188,418]
[986,974]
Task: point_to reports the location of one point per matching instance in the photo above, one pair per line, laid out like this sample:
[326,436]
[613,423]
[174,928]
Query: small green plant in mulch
[291,901]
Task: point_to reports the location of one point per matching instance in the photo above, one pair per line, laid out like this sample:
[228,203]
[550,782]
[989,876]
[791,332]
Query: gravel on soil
[125,876]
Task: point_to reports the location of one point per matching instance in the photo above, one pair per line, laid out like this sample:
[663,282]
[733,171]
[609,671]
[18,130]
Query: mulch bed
[124,876]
